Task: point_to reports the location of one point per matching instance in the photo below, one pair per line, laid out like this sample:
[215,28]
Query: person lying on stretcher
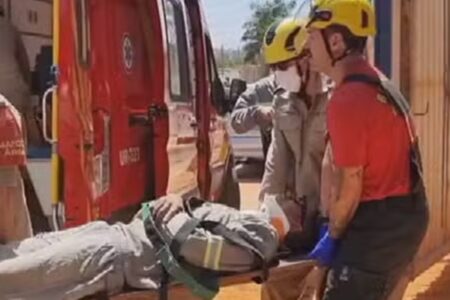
[98,257]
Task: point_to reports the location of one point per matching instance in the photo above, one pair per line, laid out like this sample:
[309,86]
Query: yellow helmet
[357,15]
[284,40]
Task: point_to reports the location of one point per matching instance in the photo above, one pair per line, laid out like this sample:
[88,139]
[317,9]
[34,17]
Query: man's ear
[337,43]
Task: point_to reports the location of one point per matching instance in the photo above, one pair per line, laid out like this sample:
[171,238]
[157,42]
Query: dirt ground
[434,284]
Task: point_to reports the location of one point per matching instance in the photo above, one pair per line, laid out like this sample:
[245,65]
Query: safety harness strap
[401,105]
[223,231]
[181,236]
[205,288]
[330,53]
[392,94]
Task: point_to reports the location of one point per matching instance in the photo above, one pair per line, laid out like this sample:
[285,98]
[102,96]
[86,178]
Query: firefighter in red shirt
[15,221]
[379,216]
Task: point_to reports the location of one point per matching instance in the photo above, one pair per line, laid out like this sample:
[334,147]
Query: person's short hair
[354,43]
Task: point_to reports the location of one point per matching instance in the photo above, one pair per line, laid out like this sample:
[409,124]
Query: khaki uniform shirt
[245,115]
[294,160]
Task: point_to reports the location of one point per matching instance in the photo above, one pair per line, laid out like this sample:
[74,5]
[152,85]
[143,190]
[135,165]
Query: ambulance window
[191,54]
[217,90]
[177,49]
[211,61]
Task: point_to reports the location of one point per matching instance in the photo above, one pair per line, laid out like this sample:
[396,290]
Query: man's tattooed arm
[349,195]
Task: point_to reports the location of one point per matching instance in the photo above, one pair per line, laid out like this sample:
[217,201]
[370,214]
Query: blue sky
[225,19]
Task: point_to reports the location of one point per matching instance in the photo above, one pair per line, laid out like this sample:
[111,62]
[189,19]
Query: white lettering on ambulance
[129,156]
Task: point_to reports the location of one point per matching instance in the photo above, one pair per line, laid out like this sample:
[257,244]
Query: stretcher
[179,291]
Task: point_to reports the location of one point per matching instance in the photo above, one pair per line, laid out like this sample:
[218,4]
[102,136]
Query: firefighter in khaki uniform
[15,221]
[293,167]
[248,112]
[298,137]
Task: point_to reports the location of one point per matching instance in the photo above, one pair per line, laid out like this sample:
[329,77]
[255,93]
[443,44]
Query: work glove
[325,250]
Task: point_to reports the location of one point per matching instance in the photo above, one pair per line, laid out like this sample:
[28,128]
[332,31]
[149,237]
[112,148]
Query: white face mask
[289,79]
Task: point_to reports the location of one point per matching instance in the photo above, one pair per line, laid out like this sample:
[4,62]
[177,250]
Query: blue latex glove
[325,250]
[323,230]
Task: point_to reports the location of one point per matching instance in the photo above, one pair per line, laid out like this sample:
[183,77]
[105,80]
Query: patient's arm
[343,210]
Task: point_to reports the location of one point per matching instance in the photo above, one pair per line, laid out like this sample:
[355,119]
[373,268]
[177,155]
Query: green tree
[263,15]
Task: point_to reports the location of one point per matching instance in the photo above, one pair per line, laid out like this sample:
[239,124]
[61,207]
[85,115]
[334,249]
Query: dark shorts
[380,242]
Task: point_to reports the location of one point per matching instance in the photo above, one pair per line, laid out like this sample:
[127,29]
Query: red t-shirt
[365,131]
[12,143]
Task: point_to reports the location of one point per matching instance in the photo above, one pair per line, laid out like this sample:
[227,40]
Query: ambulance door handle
[47,93]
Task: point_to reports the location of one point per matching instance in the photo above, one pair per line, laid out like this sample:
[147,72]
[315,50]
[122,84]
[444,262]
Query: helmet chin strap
[305,81]
[346,53]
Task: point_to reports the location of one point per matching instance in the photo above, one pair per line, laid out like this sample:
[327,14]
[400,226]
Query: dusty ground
[434,284]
